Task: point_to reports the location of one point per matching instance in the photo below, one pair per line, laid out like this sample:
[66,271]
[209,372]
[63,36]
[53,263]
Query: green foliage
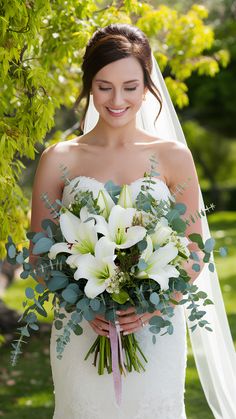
[41,49]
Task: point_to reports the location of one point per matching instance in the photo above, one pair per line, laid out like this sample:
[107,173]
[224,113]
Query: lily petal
[59,248]
[133,235]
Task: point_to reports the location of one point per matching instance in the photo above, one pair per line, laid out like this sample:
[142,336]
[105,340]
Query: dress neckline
[103,183]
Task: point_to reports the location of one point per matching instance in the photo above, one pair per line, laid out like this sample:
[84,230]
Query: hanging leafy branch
[41,49]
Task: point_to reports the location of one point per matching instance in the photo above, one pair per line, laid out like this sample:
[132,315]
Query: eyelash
[108,88]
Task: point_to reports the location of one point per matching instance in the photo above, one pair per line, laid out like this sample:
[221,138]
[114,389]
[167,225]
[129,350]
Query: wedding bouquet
[106,254]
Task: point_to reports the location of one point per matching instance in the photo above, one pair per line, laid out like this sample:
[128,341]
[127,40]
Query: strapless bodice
[160,189]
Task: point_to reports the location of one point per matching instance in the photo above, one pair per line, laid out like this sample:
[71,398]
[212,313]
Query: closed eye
[109,88]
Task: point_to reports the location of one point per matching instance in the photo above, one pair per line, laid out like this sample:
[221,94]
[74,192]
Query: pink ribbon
[116,350]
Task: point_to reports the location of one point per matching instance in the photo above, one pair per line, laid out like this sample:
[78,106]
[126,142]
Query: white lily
[125,198]
[81,237]
[97,269]
[119,229]
[158,267]
[162,232]
[105,203]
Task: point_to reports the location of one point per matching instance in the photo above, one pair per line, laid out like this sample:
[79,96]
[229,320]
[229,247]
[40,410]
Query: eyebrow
[105,81]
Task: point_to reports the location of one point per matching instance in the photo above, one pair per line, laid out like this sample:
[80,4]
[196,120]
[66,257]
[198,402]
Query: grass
[27,390]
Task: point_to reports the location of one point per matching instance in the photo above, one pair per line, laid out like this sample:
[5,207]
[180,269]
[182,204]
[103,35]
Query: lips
[117,112]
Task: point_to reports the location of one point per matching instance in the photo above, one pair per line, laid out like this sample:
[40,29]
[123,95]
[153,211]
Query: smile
[117,112]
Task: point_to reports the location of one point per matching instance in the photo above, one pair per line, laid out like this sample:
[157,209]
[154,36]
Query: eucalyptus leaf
[76,317]
[197,238]
[58,324]
[223,251]
[24,274]
[95,304]
[11,251]
[196,267]
[69,295]
[40,288]
[43,245]
[34,326]
[31,317]
[29,292]
[154,298]
[20,258]
[209,245]
[211,267]
[180,207]
[57,282]
[78,330]
[38,236]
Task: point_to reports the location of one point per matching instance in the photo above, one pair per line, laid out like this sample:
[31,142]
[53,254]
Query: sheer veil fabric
[214,352]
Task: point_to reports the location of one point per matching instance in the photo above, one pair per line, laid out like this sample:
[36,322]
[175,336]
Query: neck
[111,137]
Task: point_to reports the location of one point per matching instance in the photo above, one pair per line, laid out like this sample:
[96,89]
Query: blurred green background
[208,121]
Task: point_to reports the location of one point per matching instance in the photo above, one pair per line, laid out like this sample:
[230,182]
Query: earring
[144,97]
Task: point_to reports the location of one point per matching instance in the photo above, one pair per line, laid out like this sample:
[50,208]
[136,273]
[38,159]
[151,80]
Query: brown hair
[112,43]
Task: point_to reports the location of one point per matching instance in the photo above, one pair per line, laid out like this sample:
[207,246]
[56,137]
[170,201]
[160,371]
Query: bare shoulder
[176,160]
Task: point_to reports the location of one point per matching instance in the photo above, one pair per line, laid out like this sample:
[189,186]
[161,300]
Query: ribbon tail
[115,362]
[120,348]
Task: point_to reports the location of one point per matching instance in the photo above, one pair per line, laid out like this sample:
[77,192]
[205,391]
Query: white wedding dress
[157,393]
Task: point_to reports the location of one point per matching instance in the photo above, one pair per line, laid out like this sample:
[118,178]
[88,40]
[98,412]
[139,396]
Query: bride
[128,118]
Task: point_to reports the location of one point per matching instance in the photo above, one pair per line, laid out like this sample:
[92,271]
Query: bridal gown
[157,393]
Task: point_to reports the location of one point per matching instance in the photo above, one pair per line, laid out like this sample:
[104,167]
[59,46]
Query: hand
[131,322]
[100,325]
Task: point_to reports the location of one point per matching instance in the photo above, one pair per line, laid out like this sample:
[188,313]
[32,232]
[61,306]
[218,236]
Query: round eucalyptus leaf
[197,238]
[180,207]
[196,267]
[211,267]
[31,317]
[142,264]
[57,282]
[78,330]
[58,324]
[157,321]
[76,317]
[74,287]
[40,288]
[95,304]
[170,329]
[38,236]
[24,274]
[34,326]
[142,245]
[194,256]
[179,225]
[88,314]
[69,295]
[43,245]
[11,251]
[209,245]
[20,258]
[154,298]
[223,251]
[29,292]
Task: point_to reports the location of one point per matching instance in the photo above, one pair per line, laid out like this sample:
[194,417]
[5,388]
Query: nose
[117,98]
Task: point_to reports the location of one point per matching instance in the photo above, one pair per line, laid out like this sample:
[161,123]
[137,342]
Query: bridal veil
[213,351]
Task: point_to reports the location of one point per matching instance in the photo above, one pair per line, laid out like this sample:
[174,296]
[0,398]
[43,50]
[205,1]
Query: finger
[98,330]
[127,311]
[100,317]
[132,326]
[102,325]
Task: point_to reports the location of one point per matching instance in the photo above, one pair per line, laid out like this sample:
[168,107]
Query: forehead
[121,70]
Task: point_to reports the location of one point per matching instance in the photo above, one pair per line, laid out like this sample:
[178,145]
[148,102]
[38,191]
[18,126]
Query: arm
[47,180]
[182,171]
